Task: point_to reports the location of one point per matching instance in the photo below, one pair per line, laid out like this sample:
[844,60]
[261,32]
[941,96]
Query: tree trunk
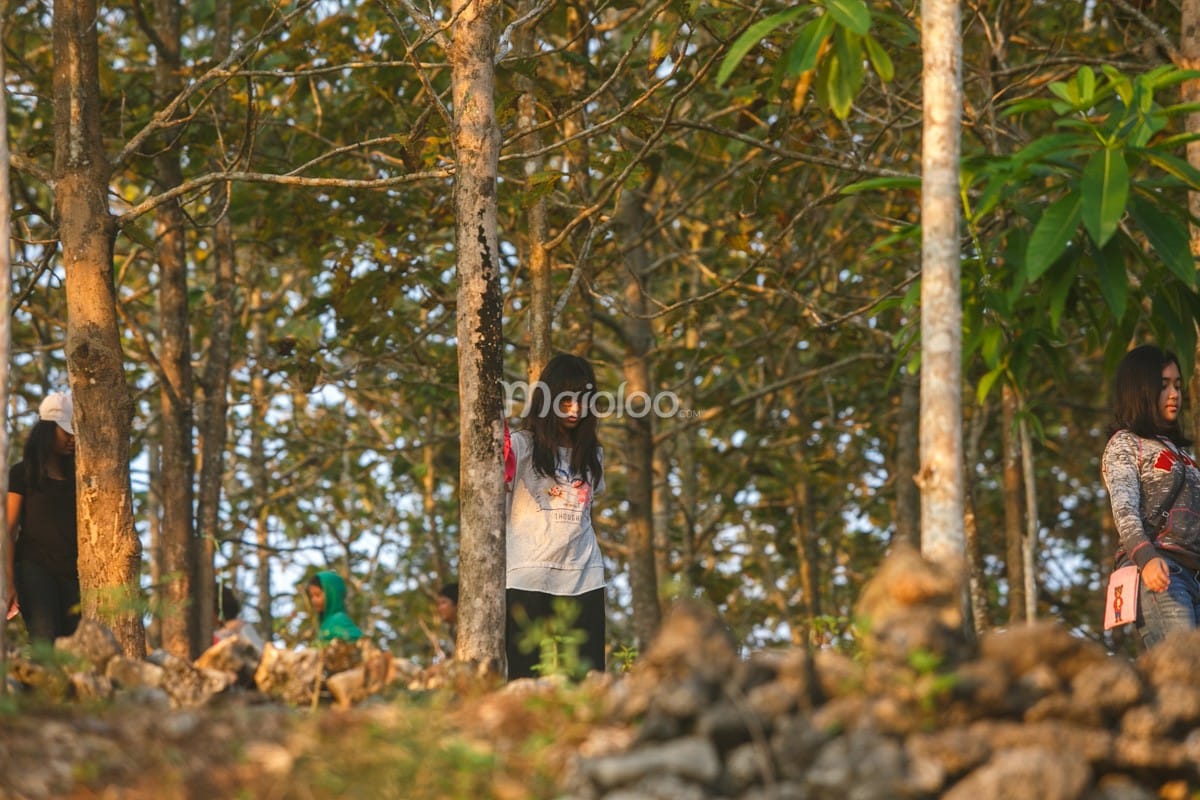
[110,552]
[1189,49]
[1030,541]
[258,462]
[180,627]
[1014,538]
[480,368]
[429,486]
[541,302]
[638,423]
[804,532]
[5,355]
[977,579]
[941,475]
[215,379]
[908,499]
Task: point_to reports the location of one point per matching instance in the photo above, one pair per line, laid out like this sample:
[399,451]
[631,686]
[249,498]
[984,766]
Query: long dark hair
[39,452]
[1135,394]
[573,377]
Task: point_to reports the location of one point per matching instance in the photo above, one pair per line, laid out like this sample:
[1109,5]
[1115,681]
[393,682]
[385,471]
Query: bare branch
[286,180]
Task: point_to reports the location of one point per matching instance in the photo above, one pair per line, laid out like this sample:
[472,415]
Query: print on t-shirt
[565,495]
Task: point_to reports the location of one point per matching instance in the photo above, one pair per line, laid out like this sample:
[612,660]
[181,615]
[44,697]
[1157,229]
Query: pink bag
[1121,599]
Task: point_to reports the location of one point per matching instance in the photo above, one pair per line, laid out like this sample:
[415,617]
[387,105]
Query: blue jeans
[1176,609]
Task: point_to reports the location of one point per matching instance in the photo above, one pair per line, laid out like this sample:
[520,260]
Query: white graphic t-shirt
[551,544]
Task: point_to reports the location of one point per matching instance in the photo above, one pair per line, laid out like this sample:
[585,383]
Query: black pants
[49,602]
[526,610]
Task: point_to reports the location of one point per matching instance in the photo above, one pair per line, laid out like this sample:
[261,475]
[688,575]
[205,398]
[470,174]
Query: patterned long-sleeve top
[1141,476]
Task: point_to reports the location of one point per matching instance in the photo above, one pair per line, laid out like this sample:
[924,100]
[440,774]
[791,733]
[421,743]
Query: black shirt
[46,535]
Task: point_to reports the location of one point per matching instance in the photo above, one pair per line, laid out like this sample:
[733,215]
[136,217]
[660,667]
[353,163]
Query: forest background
[715,202]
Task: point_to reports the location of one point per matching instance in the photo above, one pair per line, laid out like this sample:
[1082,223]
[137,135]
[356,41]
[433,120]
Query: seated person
[447,611]
[226,623]
[327,595]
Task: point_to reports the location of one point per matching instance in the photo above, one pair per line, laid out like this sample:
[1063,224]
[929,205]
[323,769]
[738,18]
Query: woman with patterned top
[1154,487]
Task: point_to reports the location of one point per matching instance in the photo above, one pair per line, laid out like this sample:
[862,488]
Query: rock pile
[920,712]
[925,713]
[89,666]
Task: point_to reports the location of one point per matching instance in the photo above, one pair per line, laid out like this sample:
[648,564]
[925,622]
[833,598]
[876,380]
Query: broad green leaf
[1051,235]
[991,343]
[1085,79]
[873,184]
[881,62]
[1058,143]
[1105,189]
[846,73]
[1066,92]
[853,15]
[1174,166]
[1060,287]
[1168,235]
[1110,273]
[986,383]
[803,53]
[838,93]
[752,36]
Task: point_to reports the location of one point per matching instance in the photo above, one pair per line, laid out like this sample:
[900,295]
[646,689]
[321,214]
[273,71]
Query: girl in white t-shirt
[555,569]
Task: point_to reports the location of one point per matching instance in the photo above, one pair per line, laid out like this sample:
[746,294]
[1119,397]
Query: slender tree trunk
[258,460]
[941,475]
[214,382]
[1030,542]
[1014,561]
[154,530]
[639,429]
[110,553]
[429,483]
[1189,49]
[689,472]
[180,628]
[663,510]
[5,352]
[578,328]
[804,532]
[480,368]
[541,303]
[908,499]
[977,580]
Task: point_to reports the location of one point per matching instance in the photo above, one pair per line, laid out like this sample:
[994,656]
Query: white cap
[57,407]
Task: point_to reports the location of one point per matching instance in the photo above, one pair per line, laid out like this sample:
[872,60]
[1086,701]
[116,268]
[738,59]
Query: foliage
[778,186]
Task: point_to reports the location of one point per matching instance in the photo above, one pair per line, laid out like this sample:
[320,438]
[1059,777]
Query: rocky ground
[920,712]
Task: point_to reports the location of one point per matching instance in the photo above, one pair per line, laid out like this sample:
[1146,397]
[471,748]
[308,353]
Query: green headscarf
[335,622]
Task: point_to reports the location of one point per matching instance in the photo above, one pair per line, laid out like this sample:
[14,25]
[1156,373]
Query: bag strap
[1163,515]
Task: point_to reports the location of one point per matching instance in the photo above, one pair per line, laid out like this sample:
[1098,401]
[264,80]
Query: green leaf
[881,62]
[1085,80]
[752,36]
[1167,233]
[1114,283]
[1173,166]
[1051,235]
[1059,144]
[1060,287]
[986,383]
[853,15]
[802,54]
[846,73]
[874,184]
[1105,190]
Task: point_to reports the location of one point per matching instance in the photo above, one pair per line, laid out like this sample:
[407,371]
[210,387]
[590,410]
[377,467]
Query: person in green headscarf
[327,594]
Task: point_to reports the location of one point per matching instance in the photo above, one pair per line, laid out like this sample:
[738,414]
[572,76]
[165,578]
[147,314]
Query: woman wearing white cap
[41,522]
